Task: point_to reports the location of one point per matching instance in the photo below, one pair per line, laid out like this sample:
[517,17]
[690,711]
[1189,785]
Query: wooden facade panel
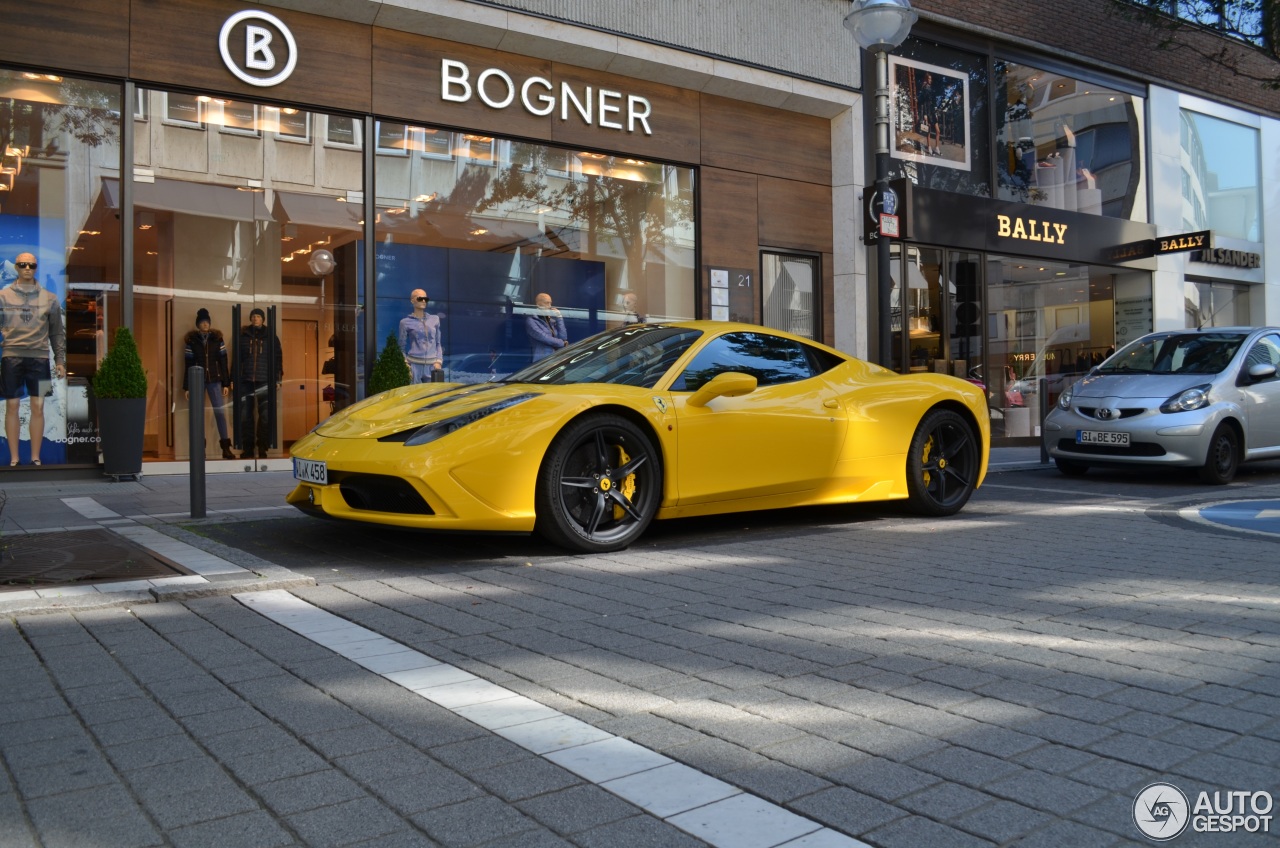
[795,215]
[728,226]
[407,84]
[760,140]
[90,36]
[673,116]
[175,43]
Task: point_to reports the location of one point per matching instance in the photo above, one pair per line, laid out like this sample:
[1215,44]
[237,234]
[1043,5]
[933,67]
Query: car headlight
[431,432]
[1064,399]
[1195,397]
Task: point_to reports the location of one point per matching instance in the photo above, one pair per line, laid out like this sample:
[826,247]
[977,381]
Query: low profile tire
[600,485]
[1223,460]
[942,463]
[1070,467]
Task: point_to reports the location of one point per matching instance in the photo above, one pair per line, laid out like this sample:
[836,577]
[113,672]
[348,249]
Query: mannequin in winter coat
[205,347]
[260,364]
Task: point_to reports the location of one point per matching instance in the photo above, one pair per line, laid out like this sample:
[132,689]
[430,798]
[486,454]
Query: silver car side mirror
[1261,371]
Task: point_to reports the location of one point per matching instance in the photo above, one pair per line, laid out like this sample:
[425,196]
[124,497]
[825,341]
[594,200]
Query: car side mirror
[728,384]
[1261,371]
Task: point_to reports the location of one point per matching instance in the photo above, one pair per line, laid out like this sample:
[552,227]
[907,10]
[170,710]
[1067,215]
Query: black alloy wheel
[1223,460]
[942,463]
[600,485]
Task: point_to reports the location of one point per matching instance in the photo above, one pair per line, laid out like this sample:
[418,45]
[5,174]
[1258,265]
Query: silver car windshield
[1175,353]
[636,355]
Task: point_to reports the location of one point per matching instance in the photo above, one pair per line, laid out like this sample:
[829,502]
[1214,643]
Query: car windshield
[1175,353]
[635,355]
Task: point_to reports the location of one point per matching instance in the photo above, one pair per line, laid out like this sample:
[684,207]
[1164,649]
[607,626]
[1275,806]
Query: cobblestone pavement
[1011,676]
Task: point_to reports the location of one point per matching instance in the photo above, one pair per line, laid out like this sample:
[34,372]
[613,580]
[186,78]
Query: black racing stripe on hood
[456,394]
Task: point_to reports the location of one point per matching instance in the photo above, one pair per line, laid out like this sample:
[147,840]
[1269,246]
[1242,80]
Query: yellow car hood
[412,407]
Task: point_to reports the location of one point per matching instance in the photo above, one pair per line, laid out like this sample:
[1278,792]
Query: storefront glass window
[1048,323]
[1068,144]
[252,216]
[790,286]
[939,115]
[1220,177]
[485,228]
[59,260]
[1216,304]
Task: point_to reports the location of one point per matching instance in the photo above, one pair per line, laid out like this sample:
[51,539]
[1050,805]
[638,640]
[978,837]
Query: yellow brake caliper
[628,485]
[924,459]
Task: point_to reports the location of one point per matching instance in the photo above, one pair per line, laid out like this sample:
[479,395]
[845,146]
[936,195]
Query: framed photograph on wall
[929,114]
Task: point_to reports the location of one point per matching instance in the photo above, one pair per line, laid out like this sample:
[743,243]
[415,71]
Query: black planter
[121,422]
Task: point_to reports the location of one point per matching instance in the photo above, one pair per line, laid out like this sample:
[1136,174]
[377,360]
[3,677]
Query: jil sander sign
[495,88]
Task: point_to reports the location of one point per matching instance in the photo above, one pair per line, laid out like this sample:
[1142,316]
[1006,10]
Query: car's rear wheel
[1070,467]
[1223,460]
[600,485]
[942,463]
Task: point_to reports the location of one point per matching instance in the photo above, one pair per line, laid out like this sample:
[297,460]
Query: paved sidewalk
[887,681]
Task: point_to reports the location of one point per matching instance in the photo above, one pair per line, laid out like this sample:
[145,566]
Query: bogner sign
[610,110]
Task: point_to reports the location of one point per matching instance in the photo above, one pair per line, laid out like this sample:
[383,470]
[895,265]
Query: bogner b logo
[1031,230]
[260,49]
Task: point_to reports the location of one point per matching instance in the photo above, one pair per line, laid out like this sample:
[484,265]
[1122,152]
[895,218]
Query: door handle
[831,403]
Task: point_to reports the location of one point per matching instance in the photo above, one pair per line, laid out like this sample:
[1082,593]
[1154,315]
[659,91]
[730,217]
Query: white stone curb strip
[703,806]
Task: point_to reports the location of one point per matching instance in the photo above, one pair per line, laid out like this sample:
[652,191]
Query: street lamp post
[879,26]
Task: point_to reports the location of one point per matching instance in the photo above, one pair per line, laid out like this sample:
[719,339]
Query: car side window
[772,360]
[1266,351]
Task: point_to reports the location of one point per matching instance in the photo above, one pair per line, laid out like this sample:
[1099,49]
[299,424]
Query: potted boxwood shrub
[120,390]
[390,371]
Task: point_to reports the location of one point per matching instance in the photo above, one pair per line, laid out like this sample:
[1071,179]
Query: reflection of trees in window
[620,201]
[87,112]
[770,359]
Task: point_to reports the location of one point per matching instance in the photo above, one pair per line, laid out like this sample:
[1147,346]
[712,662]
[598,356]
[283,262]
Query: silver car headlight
[1196,397]
[1064,399]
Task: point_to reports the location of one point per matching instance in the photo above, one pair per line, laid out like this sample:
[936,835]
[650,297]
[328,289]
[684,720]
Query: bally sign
[1184,241]
[1030,229]
[496,89]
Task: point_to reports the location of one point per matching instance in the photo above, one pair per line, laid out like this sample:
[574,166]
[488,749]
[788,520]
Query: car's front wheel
[600,485]
[942,463]
[1223,460]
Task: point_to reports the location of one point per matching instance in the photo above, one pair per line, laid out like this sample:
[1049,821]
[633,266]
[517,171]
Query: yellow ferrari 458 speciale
[648,421]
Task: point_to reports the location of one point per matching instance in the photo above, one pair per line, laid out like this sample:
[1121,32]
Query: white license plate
[1102,437]
[311,471]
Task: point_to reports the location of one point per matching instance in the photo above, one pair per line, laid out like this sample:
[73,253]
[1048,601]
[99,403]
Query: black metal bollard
[1044,412]
[195,410]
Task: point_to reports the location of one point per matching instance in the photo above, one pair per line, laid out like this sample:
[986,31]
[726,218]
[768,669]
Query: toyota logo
[1105,413]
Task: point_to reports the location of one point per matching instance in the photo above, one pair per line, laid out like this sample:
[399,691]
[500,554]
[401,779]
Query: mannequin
[205,347]
[31,318]
[419,339]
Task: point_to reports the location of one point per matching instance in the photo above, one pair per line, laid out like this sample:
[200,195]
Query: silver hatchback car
[1206,399]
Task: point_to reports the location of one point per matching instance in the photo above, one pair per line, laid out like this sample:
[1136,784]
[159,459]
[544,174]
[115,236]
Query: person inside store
[260,364]
[419,339]
[204,346]
[32,325]
[546,329]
